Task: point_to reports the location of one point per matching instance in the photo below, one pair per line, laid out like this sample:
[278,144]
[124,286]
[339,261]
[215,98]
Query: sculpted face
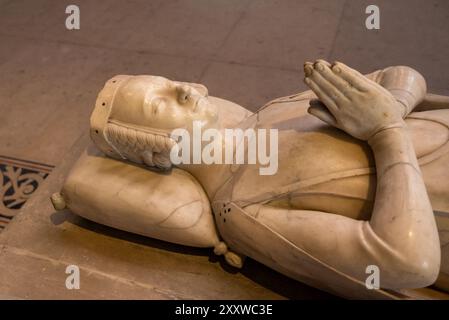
[159,103]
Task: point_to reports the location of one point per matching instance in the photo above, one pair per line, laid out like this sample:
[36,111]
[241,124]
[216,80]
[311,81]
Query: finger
[308,68]
[353,77]
[322,113]
[321,94]
[324,62]
[323,68]
[326,86]
[316,102]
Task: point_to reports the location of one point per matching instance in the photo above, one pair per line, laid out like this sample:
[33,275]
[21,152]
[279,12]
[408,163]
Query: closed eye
[157,105]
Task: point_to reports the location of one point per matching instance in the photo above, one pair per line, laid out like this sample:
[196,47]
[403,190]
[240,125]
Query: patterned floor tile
[19,179]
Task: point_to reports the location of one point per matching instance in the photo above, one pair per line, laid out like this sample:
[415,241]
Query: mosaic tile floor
[19,179]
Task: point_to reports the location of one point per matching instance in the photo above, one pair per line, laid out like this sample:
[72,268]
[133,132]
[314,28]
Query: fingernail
[336,69]
[322,61]
[319,66]
[308,70]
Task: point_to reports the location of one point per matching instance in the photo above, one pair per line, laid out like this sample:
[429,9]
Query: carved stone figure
[362,180]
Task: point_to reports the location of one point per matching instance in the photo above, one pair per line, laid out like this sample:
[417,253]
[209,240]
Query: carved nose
[183,94]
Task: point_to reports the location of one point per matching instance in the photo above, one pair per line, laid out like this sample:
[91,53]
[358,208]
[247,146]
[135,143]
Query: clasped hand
[350,101]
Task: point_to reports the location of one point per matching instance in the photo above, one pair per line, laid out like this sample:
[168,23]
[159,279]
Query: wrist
[383,133]
[392,145]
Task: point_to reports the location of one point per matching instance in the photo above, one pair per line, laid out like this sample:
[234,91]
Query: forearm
[402,216]
[400,187]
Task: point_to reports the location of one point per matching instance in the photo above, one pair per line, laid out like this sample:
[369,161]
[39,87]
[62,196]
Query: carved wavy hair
[140,146]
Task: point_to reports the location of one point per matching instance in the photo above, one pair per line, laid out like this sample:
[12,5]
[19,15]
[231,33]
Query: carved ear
[199,87]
